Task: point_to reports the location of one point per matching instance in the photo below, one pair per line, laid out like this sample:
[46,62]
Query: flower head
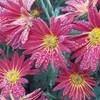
[46,44]
[38,94]
[77,84]
[80,6]
[12,75]
[16,21]
[87,44]
[35,95]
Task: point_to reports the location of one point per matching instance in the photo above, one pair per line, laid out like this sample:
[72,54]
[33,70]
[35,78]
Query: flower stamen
[12,76]
[50,41]
[77,80]
[94,36]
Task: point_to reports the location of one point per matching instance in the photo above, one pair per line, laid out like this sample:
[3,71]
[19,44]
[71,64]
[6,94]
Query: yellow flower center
[12,76]
[94,36]
[77,80]
[50,41]
[35,12]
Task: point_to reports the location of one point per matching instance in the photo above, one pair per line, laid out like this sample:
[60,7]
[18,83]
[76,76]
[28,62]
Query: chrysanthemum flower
[87,44]
[77,84]
[80,6]
[35,95]
[46,44]
[16,21]
[38,94]
[12,75]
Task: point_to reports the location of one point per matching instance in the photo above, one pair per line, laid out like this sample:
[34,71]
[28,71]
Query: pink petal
[28,4]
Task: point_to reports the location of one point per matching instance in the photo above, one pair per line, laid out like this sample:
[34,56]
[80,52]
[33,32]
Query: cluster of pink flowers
[46,44]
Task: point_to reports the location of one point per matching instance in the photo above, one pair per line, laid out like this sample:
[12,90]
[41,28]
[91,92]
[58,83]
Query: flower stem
[45,9]
[7,51]
[50,7]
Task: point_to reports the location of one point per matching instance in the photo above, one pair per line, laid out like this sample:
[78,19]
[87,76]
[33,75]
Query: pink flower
[80,6]
[77,84]
[35,95]
[12,74]
[87,44]
[46,44]
[16,21]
